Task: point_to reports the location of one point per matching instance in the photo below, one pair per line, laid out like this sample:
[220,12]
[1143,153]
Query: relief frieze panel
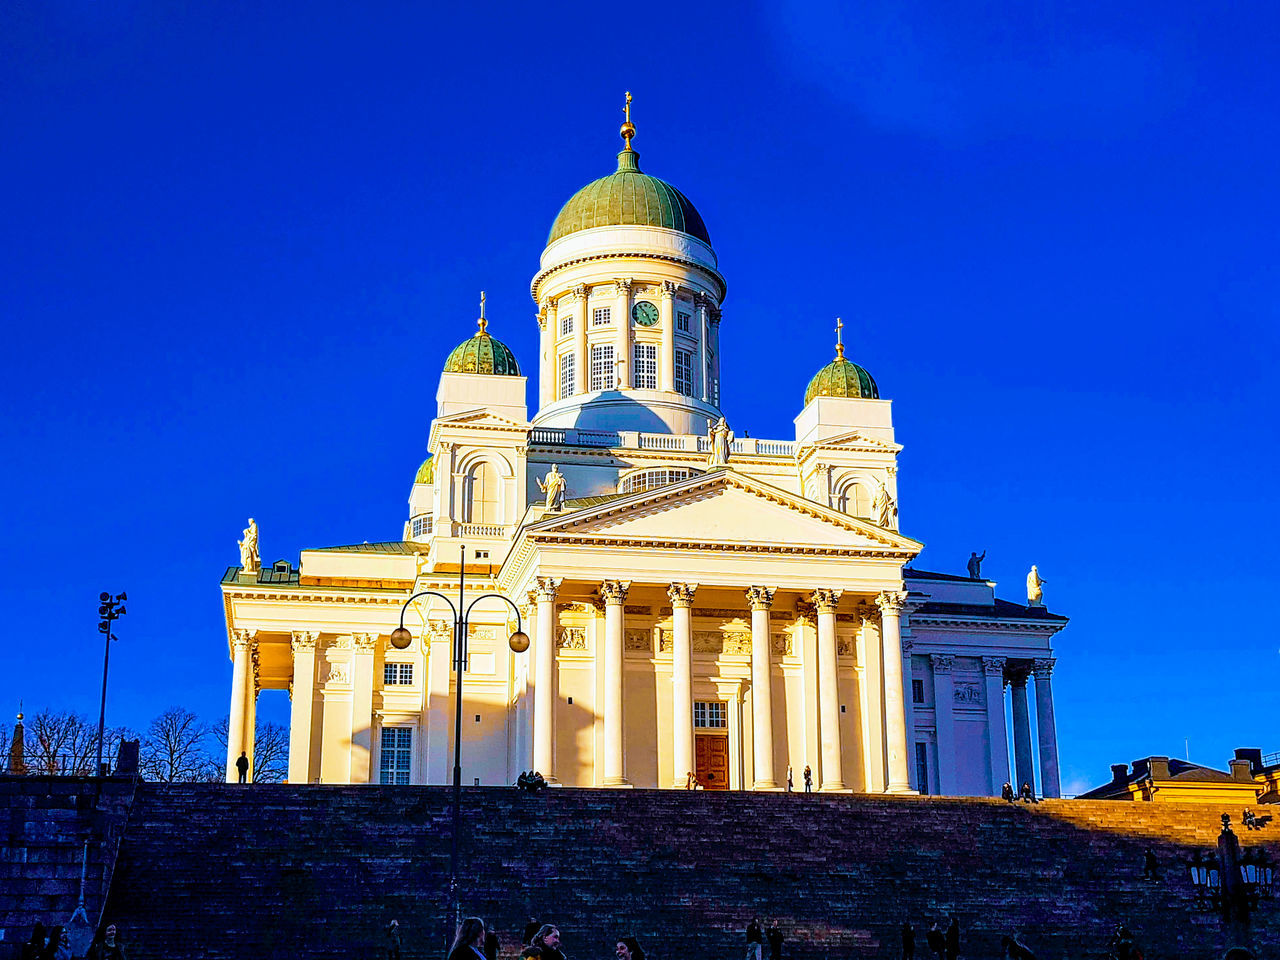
[572,638]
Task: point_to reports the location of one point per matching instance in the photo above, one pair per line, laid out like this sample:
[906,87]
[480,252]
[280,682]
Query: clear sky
[238,241]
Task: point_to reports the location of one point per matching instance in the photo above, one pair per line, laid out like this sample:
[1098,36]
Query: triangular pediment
[477,418]
[725,510]
[853,440]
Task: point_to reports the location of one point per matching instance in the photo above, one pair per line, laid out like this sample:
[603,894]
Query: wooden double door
[711,760]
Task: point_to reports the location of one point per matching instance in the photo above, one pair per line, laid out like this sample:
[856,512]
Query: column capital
[547,588]
[364,642]
[906,644]
[1043,669]
[761,598]
[993,666]
[681,594]
[541,317]
[668,290]
[826,600]
[245,639]
[941,662]
[615,591]
[580,292]
[304,640]
[700,299]
[892,601]
[623,285]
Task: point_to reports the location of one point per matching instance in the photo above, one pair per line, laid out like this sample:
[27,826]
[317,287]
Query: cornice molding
[542,276]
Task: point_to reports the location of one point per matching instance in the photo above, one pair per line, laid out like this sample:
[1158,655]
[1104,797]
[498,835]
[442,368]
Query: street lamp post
[519,643]
[110,609]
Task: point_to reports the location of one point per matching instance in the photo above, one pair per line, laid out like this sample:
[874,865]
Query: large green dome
[631,198]
[841,378]
[482,354]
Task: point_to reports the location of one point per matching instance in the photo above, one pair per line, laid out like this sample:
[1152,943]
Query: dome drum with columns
[700,602]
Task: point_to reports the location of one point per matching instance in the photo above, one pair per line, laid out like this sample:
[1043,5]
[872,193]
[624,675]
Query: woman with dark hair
[547,939]
[629,949]
[469,943]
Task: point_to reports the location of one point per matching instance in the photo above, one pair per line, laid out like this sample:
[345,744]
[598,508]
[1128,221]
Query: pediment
[854,440]
[725,510]
[477,418]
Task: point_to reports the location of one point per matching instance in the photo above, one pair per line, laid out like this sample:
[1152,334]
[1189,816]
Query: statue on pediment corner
[1035,588]
[249,559]
[885,508]
[721,438]
[553,485]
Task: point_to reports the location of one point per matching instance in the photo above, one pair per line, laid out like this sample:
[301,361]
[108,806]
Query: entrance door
[711,760]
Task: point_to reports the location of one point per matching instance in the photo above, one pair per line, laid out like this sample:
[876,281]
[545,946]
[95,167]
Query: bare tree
[173,749]
[270,752]
[61,743]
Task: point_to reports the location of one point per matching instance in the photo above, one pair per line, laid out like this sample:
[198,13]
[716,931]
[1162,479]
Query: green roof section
[628,197]
[404,547]
[483,354]
[427,472]
[842,378]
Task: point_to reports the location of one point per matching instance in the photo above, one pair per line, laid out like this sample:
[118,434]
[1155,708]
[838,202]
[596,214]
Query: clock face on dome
[644,313]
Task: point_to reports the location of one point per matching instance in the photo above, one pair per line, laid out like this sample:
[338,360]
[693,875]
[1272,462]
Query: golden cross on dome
[839,339]
[628,128]
[627,108]
[482,321]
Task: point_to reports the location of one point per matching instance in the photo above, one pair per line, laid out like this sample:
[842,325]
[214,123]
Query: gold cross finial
[839,339]
[628,128]
[483,323]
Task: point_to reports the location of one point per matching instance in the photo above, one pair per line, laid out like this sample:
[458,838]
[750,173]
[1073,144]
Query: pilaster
[997,738]
[364,645]
[622,352]
[891,603]
[944,719]
[302,704]
[667,321]
[681,595]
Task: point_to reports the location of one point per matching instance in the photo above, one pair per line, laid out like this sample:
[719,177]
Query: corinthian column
[998,741]
[614,593]
[1048,735]
[548,365]
[761,599]
[1021,730]
[828,690]
[362,706]
[582,356]
[242,648]
[302,704]
[681,595]
[703,353]
[944,719]
[891,603]
[623,320]
[544,690]
[667,320]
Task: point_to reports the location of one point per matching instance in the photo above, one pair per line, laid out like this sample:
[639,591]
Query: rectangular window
[682,321]
[917,691]
[397,750]
[602,366]
[566,323]
[566,375]
[422,526]
[710,714]
[600,316]
[397,673]
[645,366]
[922,767]
[684,373]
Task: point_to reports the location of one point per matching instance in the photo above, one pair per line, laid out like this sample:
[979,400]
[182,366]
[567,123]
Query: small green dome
[482,354]
[427,472]
[628,197]
[840,378]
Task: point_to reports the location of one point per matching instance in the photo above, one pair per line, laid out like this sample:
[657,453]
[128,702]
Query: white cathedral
[736,609]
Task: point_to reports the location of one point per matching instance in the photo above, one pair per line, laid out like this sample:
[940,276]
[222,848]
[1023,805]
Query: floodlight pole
[110,610]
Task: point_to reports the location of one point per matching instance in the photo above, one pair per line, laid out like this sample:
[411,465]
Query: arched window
[855,501]
[648,479]
[481,494]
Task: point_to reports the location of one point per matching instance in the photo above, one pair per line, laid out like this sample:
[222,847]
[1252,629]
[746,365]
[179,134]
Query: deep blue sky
[239,239]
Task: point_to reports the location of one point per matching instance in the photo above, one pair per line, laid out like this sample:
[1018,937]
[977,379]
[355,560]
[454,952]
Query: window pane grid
[566,375]
[396,756]
[710,714]
[566,323]
[684,373]
[646,366]
[682,321]
[600,316]
[602,366]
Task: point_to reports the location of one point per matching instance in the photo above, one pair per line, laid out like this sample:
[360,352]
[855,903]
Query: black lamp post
[1231,881]
[519,643]
[110,609]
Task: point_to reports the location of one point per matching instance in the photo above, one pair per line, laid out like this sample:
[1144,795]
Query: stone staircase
[315,871]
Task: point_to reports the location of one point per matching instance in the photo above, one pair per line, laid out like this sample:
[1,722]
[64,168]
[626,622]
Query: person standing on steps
[774,936]
[755,940]
[937,941]
[628,948]
[547,939]
[469,943]
[107,947]
[953,938]
[393,940]
[908,941]
[242,767]
[791,781]
[490,944]
[808,779]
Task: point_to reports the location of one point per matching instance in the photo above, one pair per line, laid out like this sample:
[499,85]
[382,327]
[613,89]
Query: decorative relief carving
[364,642]
[993,666]
[906,645]
[572,638]
[615,591]
[637,610]
[845,646]
[338,673]
[681,594]
[969,693]
[548,587]
[579,292]
[782,645]
[482,633]
[664,641]
[304,640]
[708,641]
[720,613]
[623,287]
[342,642]
[1043,669]
[805,611]
[246,639]
[891,602]
[941,662]
[668,290]
[638,640]
[761,598]
[826,600]
[737,643]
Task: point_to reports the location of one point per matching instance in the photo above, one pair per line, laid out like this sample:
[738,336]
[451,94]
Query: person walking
[908,941]
[547,939]
[774,936]
[953,938]
[808,779]
[242,767]
[755,940]
[469,943]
